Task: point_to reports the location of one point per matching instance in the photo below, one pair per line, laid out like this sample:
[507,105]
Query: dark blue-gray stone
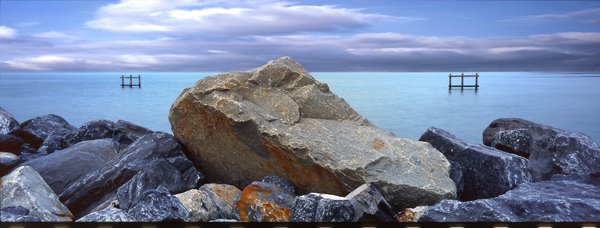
[546,201]
[96,187]
[35,131]
[158,206]
[107,215]
[281,182]
[369,204]
[64,167]
[316,207]
[551,150]
[486,172]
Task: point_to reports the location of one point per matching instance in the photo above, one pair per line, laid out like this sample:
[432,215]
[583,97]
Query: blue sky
[219,35]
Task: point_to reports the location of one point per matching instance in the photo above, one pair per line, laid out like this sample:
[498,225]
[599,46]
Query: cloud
[233,17]
[7,32]
[569,51]
[57,36]
[583,16]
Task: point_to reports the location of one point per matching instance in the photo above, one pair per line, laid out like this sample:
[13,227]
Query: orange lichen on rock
[258,204]
[378,144]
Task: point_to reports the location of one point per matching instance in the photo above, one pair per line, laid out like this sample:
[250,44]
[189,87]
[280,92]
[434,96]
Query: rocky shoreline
[275,145]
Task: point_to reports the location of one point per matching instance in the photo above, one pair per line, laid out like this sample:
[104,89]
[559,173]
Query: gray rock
[17,214]
[7,162]
[158,206]
[546,201]
[369,204]
[223,220]
[278,120]
[8,123]
[487,172]
[97,187]
[316,207]
[456,174]
[211,202]
[591,178]
[35,130]
[551,150]
[50,144]
[63,167]
[151,177]
[25,188]
[264,202]
[281,182]
[515,141]
[122,131]
[107,215]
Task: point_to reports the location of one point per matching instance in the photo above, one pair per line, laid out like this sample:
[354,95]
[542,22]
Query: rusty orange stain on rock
[254,198]
[378,144]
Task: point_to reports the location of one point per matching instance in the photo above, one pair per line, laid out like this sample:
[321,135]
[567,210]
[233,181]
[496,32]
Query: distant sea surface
[403,103]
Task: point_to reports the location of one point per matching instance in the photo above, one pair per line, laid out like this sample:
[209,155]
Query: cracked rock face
[550,150]
[278,120]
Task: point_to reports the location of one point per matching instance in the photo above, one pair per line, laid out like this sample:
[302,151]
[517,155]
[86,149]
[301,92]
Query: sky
[350,35]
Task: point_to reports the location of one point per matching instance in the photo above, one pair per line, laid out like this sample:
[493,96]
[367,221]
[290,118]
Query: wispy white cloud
[360,52]
[234,17]
[7,32]
[57,36]
[584,16]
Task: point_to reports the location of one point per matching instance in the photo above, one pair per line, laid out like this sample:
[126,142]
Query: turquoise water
[403,103]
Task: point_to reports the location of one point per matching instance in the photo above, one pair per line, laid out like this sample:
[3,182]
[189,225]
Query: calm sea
[403,103]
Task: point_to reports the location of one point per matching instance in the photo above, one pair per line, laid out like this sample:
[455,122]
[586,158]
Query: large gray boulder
[550,150]
[24,187]
[278,120]
[17,214]
[486,172]
[35,130]
[546,201]
[63,167]
[121,131]
[211,202]
[100,186]
[8,123]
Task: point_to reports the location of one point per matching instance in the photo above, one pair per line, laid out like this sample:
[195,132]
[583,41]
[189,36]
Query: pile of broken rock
[274,145]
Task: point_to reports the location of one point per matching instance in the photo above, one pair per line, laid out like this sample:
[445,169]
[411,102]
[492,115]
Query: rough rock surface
[17,214]
[35,130]
[412,214]
[546,201]
[515,141]
[456,174]
[160,172]
[107,215]
[369,204]
[551,150]
[278,120]
[316,207]
[158,206]
[211,202]
[99,186]
[25,188]
[8,123]
[487,172]
[50,144]
[264,202]
[11,144]
[63,167]
[7,162]
[121,131]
